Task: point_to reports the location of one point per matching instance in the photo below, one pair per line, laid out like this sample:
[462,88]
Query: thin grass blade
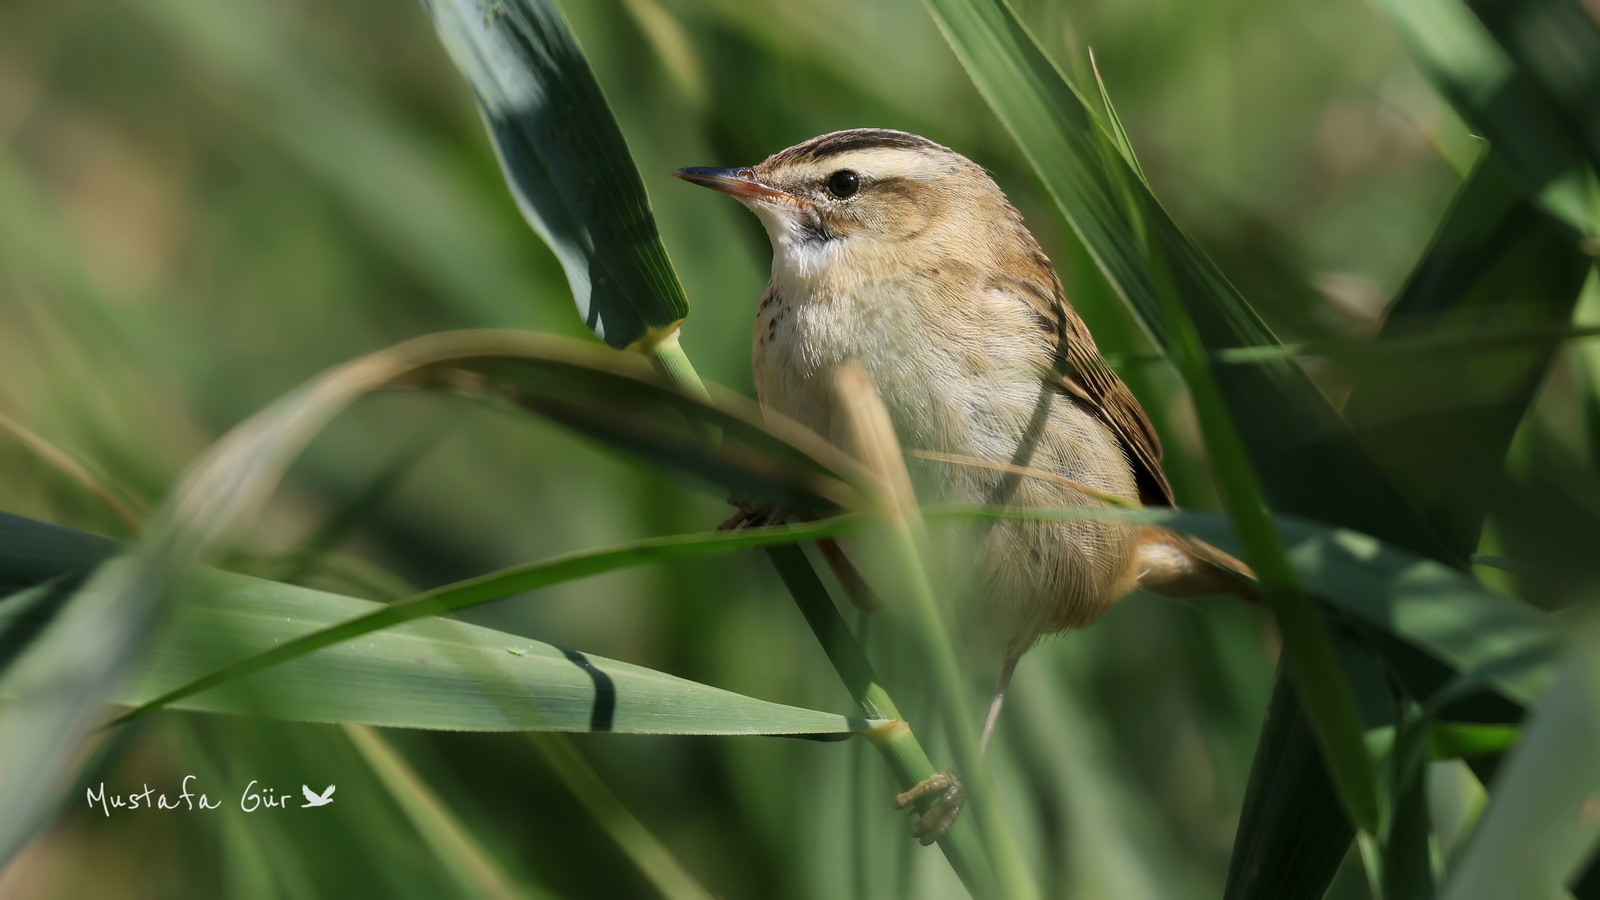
[474,869]
[645,850]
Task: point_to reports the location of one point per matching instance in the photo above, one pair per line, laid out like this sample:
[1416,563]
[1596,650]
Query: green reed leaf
[422,672]
[566,163]
[1542,820]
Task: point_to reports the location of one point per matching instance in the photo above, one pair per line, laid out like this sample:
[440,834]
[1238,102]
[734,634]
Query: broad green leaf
[429,673]
[1497,642]
[1439,423]
[566,163]
[1543,816]
[1555,44]
[485,589]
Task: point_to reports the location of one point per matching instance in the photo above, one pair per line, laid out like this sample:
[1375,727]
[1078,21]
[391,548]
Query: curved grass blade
[64,463]
[486,589]
[566,163]
[60,680]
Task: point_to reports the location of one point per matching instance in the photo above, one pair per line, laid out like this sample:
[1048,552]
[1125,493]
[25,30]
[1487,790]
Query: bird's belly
[979,400]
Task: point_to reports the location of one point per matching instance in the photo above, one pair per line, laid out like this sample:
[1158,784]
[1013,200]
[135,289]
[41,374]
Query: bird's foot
[752,515]
[934,821]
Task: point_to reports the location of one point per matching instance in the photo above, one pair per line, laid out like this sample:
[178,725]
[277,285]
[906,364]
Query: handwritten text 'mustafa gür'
[252,799]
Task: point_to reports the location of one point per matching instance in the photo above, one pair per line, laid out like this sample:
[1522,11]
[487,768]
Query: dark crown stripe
[838,142]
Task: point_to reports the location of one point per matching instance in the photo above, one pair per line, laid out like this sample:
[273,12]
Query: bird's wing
[311,796]
[1087,378]
[328,794]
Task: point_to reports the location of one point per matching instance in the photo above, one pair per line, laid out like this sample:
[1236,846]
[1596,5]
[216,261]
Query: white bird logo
[315,799]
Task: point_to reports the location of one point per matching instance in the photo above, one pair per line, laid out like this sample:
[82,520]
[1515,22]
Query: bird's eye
[843,183]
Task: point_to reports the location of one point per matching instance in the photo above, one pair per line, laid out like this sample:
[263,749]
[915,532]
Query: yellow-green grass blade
[1452,740]
[1541,824]
[1307,460]
[1310,657]
[566,163]
[904,754]
[654,861]
[473,868]
[1495,78]
[893,502]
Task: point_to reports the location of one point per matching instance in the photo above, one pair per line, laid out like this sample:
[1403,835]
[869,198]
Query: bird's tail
[1184,568]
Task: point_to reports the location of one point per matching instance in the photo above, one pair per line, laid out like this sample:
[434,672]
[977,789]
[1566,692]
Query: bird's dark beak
[741,183]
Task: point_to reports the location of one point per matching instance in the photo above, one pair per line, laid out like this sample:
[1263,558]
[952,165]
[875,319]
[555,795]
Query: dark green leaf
[1407,868]
[1440,423]
[566,162]
[1288,855]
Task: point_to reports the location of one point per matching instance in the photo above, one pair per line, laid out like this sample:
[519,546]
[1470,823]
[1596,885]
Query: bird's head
[870,198]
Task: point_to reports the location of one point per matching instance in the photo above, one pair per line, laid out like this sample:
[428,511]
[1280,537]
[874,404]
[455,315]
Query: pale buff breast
[974,392]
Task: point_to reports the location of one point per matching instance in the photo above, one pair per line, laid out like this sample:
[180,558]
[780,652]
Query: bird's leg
[939,815]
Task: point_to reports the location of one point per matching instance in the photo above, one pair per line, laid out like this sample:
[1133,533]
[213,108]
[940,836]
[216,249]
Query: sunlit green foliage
[206,203]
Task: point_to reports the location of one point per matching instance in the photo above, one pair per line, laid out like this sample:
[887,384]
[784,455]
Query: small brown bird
[899,253]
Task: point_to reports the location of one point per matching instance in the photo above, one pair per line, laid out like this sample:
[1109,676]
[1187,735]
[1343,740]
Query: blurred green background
[205,202]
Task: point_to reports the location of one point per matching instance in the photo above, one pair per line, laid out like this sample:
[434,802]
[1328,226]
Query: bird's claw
[752,515]
[940,814]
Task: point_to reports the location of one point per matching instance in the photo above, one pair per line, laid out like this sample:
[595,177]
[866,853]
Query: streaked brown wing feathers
[1086,377]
